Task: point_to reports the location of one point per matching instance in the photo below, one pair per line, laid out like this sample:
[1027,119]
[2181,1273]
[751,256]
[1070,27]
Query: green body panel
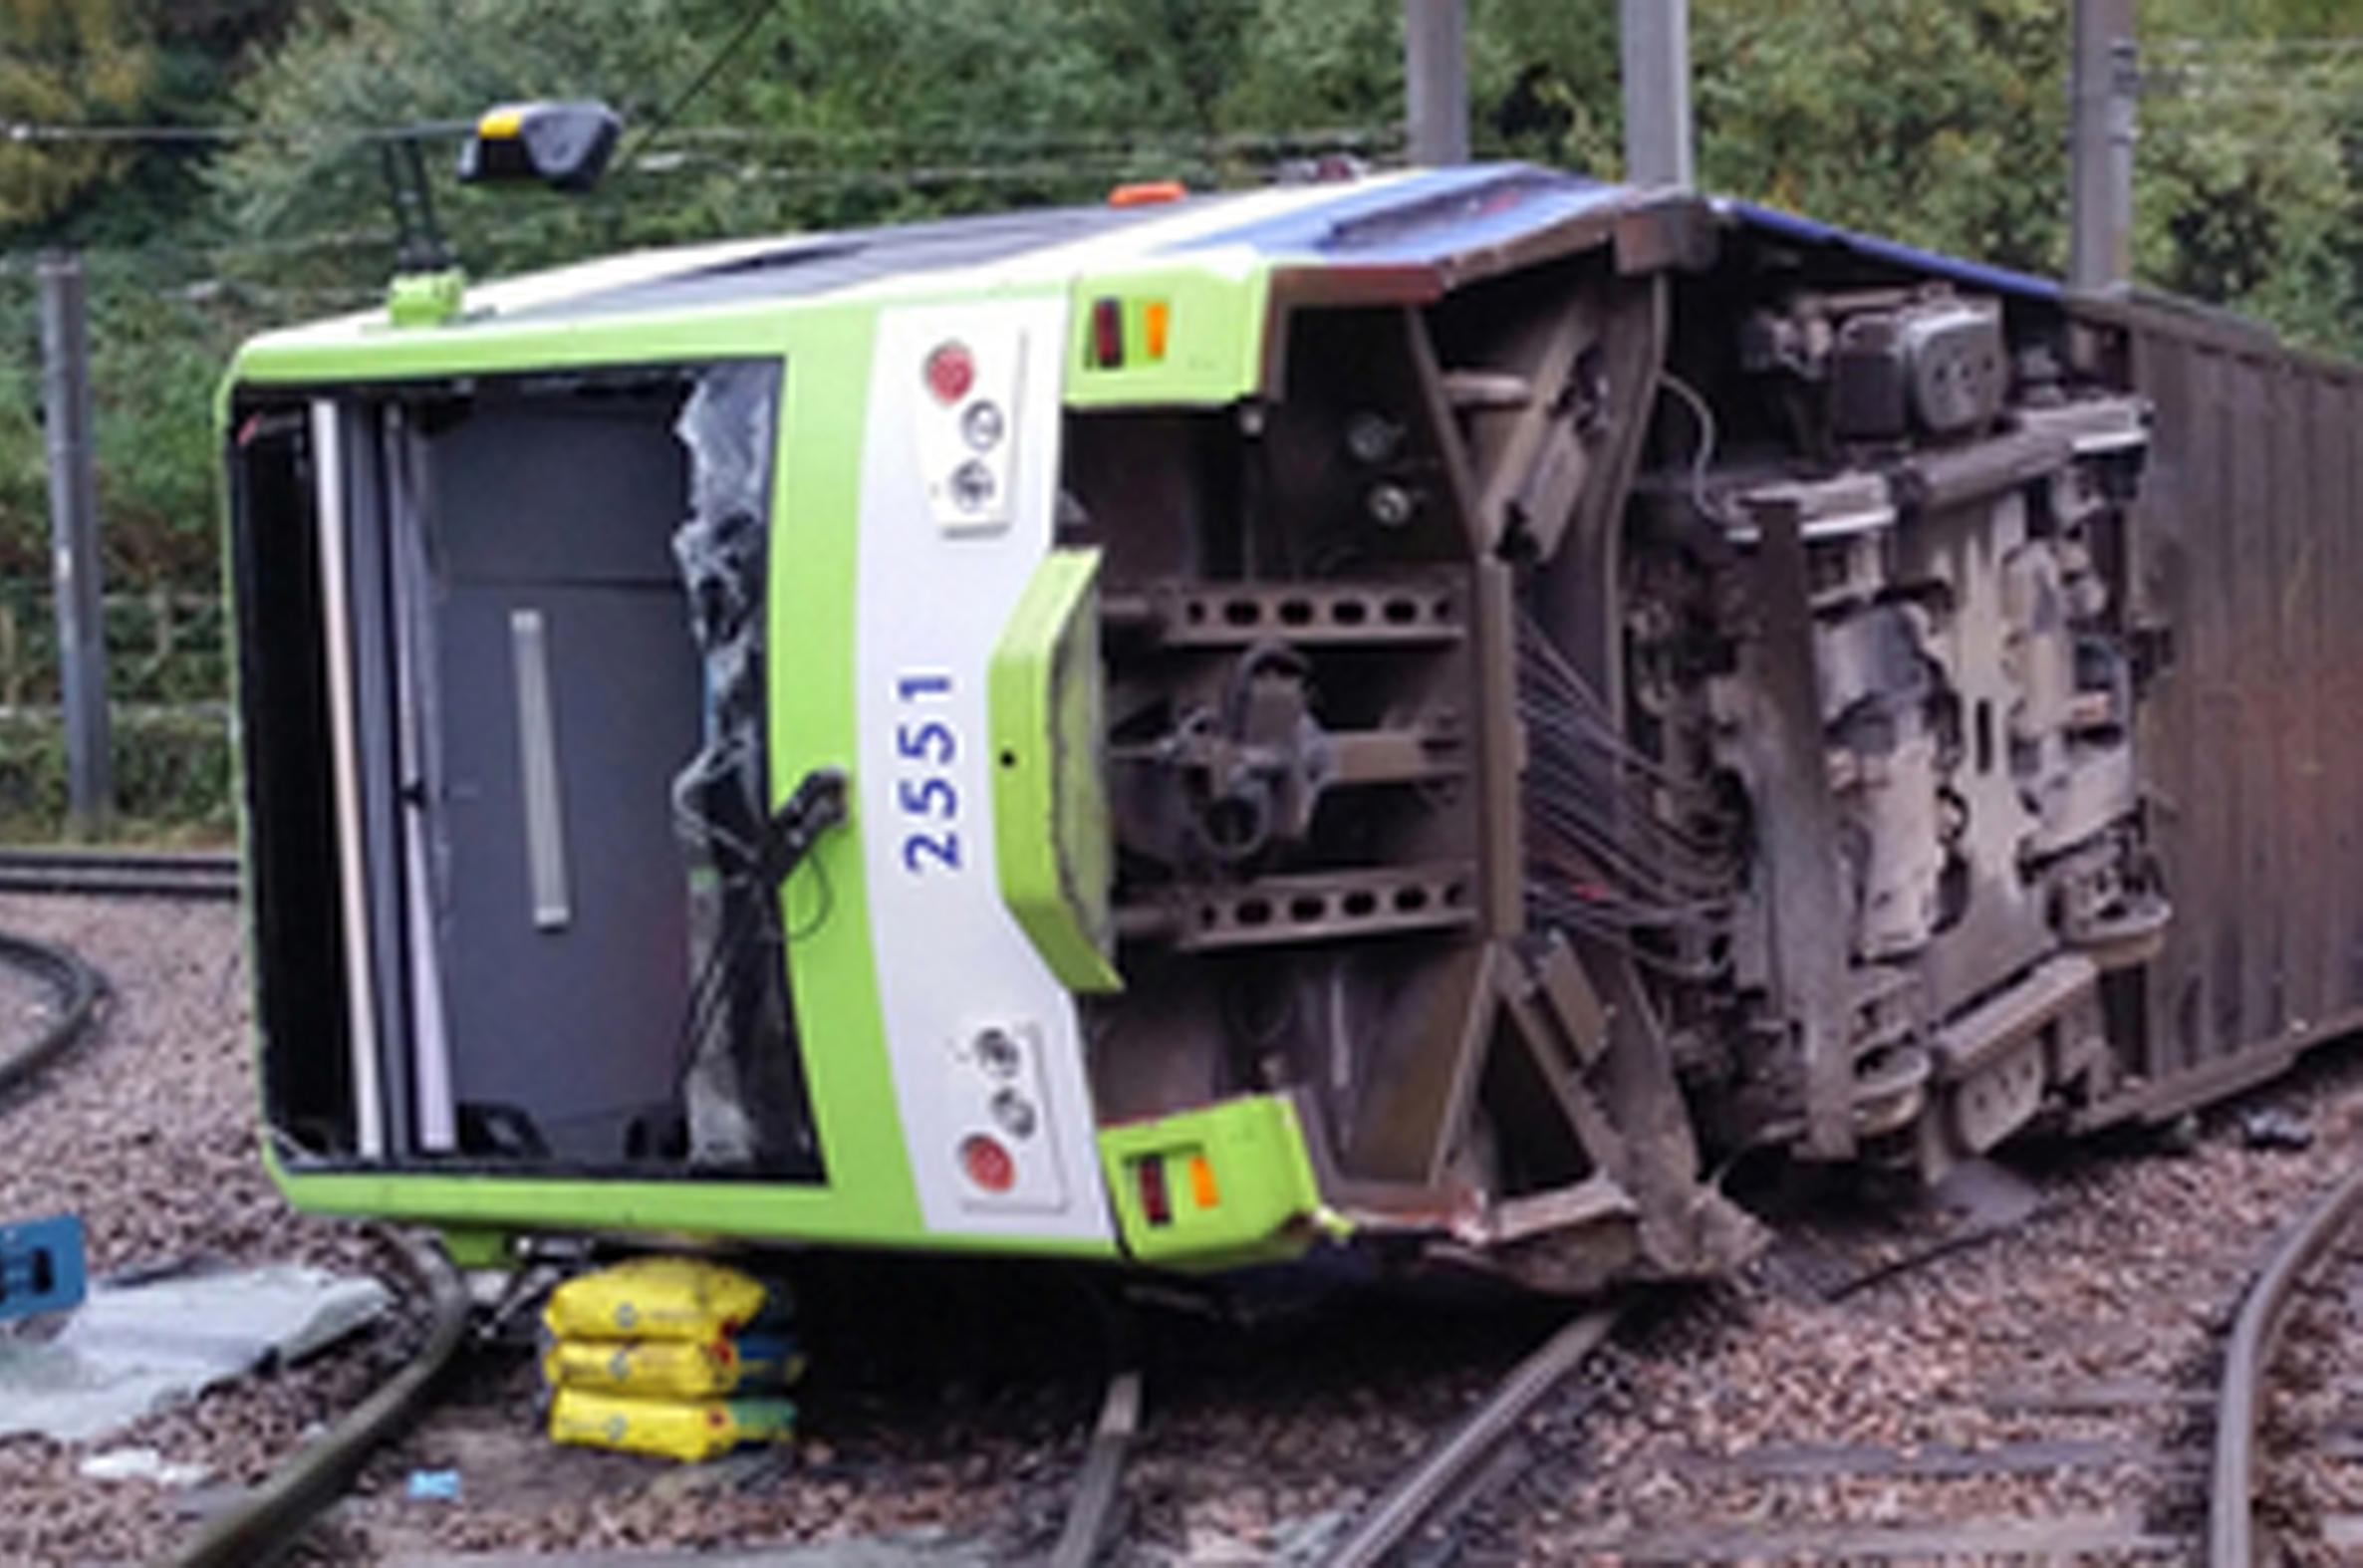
[1267,1206]
[1215,344]
[1051,837]
[426,299]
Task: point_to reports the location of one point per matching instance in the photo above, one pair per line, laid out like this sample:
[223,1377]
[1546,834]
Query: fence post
[74,538]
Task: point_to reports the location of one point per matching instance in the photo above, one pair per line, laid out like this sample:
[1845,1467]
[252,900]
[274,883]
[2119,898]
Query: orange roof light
[1147,192]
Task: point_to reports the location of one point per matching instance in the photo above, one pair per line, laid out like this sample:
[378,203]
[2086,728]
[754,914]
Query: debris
[127,1351]
[142,1465]
[432,1486]
[1984,1196]
[2268,1128]
[1309,1540]
[41,1266]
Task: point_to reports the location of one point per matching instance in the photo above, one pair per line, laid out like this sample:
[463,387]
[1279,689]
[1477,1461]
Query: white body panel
[935,593]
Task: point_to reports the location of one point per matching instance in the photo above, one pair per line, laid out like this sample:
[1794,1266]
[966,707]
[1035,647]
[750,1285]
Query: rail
[2232,1502]
[273,1518]
[1424,1490]
[152,874]
[1086,1529]
[78,987]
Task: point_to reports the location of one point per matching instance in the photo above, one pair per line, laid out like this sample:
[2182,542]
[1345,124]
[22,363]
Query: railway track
[1449,1505]
[151,874]
[2219,1503]
[1471,1477]
[77,989]
[271,1519]
[1444,1479]
[2299,1265]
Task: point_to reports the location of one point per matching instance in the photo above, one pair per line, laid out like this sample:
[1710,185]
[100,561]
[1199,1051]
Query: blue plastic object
[41,1266]
[434,1486]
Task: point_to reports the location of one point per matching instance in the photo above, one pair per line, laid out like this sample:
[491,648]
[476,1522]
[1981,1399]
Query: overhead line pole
[74,538]
[1436,81]
[1655,39]
[2104,83]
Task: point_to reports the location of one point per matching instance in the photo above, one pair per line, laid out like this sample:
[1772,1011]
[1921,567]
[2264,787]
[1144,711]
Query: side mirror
[564,146]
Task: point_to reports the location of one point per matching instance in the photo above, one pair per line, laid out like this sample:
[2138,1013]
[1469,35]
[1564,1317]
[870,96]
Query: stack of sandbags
[670,1356]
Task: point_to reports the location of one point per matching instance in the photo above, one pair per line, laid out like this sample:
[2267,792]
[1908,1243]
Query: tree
[66,64]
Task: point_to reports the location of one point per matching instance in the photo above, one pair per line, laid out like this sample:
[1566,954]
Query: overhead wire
[326,133]
[754,17]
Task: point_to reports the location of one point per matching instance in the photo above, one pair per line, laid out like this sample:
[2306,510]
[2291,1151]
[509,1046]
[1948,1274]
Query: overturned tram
[1415,717]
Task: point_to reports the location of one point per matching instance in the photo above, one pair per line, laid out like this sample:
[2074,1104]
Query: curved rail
[1419,1494]
[151,874]
[2231,1503]
[79,988]
[268,1523]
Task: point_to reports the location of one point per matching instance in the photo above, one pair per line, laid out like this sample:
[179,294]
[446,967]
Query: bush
[173,773]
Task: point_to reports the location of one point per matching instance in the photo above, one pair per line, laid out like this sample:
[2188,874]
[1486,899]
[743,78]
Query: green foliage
[173,775]
[69,62]
[1339,64]
[1942,119]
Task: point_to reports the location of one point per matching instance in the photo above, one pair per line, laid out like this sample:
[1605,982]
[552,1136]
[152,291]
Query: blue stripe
[1423,218]
[1435,214]
[1974,273]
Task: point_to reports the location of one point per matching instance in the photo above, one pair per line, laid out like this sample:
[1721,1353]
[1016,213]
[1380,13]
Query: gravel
[145,1130]
[2126,1280]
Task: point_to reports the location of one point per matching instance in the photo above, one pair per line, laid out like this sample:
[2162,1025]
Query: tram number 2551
[927,801]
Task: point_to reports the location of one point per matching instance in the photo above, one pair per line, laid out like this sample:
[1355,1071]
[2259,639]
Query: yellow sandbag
[672,1369]
[672,1298]
[687,1430]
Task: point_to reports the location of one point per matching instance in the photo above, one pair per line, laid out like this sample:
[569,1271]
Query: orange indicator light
[1201,1181]
[1155,318]
[1147,193]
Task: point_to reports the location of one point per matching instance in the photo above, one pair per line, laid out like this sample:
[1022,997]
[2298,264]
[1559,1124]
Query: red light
[1155,1204]
[988,1164]
[951,372]
[1106,334]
